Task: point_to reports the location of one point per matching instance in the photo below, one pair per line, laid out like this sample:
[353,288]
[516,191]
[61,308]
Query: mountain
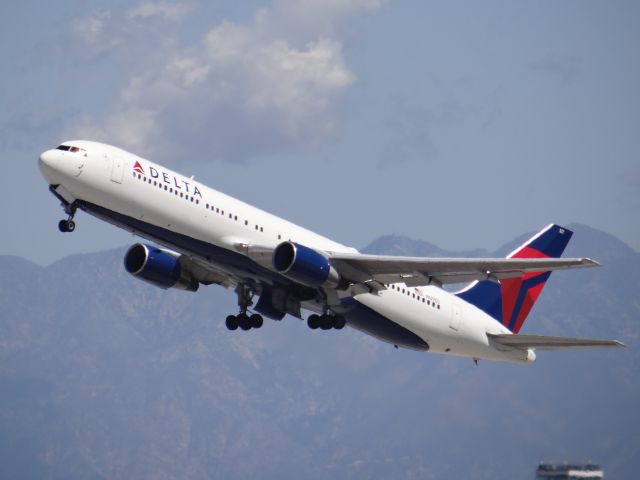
[105,377]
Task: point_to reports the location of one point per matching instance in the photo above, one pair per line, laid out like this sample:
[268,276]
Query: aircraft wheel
[339,322]
[313,321]
[231,322]
[256,320]
[326,322]
[71,225]
[244,322]
[63,226]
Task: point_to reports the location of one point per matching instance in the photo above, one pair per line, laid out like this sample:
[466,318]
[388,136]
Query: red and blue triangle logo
[138,168]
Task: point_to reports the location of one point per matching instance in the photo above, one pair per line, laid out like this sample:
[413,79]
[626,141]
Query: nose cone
[46,162]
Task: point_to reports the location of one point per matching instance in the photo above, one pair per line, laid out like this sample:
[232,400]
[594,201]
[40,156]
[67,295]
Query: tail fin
[510,301]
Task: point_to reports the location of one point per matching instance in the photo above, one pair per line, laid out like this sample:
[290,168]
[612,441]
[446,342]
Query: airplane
[277,268]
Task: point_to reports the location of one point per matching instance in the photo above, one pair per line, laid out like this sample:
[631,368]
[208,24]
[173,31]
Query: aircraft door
[117,169]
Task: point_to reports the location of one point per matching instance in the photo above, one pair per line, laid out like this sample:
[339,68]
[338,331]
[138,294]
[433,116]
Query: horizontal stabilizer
[542,342]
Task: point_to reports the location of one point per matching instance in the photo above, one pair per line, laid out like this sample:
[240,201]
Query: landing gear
[326,321]
[242,320]
[68,225]
[232,322]
[256,320]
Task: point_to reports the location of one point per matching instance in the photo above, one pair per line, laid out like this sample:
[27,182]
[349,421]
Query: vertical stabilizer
[511,300]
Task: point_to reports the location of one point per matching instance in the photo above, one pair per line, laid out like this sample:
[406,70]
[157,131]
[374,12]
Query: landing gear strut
[243,320]
[68,225]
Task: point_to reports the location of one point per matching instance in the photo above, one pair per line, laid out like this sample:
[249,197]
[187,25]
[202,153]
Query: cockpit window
[69,148]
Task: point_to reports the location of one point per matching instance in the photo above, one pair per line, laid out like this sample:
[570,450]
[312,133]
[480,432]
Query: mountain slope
[103,376]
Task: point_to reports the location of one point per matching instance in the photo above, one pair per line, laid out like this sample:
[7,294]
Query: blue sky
[461,123]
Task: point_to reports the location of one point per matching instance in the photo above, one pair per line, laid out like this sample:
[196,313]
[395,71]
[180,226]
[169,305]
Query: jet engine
[304,265]
[158,267]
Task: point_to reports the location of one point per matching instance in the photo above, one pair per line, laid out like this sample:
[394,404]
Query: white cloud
[92,26]
[167,11]
[94,33]
[243,90]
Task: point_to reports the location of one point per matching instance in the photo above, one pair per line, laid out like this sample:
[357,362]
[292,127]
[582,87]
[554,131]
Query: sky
[462,123]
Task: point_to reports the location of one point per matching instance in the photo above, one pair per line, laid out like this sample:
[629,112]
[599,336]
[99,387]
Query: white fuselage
[125,185]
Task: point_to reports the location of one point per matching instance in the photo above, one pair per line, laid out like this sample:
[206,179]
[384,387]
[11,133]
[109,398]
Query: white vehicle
[278,268]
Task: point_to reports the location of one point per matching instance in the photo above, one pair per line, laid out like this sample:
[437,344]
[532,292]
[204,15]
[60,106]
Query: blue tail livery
[511,300]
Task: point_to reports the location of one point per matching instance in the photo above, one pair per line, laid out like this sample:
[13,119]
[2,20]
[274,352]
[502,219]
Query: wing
[417,271]
[541,342]
[204,272]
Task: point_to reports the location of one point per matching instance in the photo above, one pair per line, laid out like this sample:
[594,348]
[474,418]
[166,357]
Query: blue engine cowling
[304,265]
[158,267]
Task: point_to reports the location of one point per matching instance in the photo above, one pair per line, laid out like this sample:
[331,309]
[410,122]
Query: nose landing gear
[68,225]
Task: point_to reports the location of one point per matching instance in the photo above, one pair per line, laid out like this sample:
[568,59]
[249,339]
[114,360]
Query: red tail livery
[511,300]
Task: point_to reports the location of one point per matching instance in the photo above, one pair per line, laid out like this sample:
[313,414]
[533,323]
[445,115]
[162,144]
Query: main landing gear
[243,320]
[68,225]
[326,321]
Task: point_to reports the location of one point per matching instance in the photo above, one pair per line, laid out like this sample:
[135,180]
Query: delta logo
[138,168]
[164,177]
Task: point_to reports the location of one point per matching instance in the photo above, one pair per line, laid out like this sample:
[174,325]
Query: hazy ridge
[102,376]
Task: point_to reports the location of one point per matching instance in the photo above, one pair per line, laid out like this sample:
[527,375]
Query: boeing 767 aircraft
[276,267]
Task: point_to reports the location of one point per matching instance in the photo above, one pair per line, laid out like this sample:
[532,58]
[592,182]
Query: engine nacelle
[158,267]
[304,265]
